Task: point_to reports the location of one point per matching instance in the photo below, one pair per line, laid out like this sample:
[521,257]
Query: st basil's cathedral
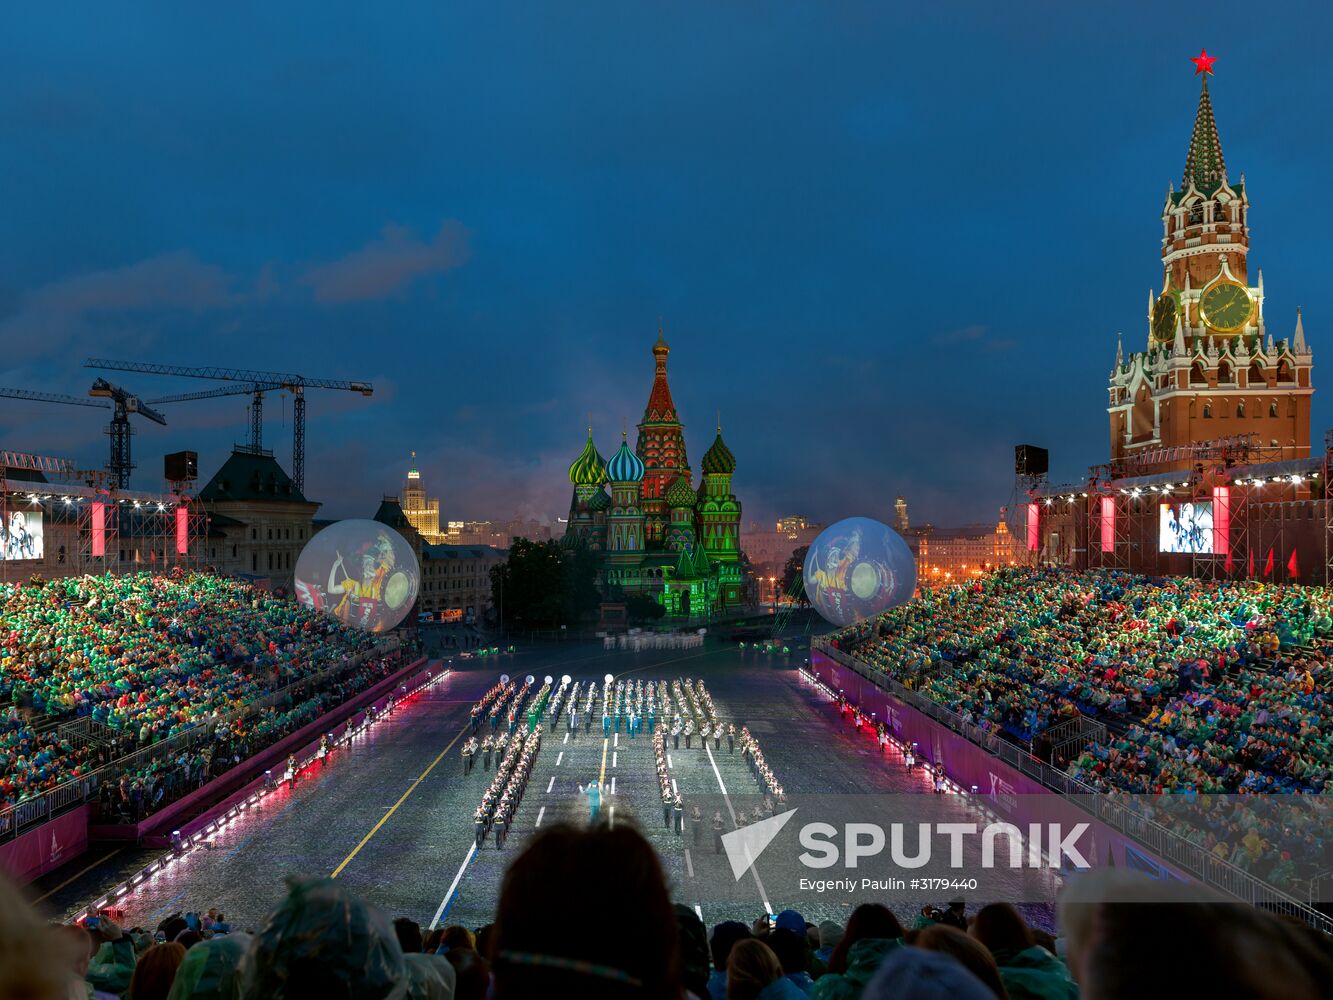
[657,533]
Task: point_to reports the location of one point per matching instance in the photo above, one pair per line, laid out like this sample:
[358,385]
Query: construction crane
[270,381]
[105,396]
[256,407]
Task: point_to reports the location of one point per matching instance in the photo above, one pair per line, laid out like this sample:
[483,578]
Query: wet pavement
[392,814]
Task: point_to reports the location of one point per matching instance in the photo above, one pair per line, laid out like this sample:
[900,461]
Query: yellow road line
[394,808]
[601,778]
[85,871]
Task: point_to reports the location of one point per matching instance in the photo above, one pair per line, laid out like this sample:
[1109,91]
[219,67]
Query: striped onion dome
[599,501]
[625,466]
[680,494]
[718,458]
[589,469]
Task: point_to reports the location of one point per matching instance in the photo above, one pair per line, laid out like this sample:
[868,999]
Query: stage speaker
[181,466]
[1029,460]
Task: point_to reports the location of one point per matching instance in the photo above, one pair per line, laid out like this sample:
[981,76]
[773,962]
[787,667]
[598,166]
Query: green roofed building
[658,534]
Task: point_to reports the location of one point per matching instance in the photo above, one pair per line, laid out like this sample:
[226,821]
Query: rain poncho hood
[429,977]
[1035,974]
[211,970]
[916,974]
[322,941]
[863,959]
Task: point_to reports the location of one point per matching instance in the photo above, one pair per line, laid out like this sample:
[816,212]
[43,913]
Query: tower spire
[1204,166]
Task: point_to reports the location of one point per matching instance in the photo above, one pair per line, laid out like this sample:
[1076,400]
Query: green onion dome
[625,466]
[718,458]
[589,469]
[680,494]
[599,501]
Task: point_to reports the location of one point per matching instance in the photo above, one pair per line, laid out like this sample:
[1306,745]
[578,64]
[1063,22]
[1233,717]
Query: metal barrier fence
[18,817]
[1109,807]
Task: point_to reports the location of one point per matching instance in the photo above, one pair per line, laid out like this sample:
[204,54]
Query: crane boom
[54,397]
[228,390]
[281,379]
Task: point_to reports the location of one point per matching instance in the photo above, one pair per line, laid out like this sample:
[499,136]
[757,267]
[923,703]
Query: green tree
[528,588]
[642,608]
[580,565]
[544,585]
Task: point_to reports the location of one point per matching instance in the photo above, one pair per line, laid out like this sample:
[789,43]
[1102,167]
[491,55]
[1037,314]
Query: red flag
[1268,566]
[1251,573]
[1293,569]
[1230,564]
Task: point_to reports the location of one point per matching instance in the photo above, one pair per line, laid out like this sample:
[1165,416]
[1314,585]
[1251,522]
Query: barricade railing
[18,817]
[1109,807]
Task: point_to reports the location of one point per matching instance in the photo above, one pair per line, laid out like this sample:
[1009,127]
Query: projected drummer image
[360,572]
[856,569]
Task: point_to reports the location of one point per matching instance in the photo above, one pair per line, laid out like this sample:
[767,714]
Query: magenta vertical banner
[1222,520]
[1034,528]
[99,530]
[182,530]
[1108,524]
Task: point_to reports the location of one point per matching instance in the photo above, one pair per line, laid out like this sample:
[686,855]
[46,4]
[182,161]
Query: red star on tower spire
[1203,63]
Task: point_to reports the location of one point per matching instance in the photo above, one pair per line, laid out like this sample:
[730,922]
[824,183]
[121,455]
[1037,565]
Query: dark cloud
[389,264]
[886,247]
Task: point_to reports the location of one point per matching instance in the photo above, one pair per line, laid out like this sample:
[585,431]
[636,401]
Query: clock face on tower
[1164,318]
[1226,306]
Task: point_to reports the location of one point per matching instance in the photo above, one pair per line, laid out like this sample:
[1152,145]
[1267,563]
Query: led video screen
[22,535]
[1186,527]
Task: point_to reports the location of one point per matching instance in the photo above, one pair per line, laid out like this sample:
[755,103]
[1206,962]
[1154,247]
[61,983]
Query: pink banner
[46,847]
[1222,520]
[1034,528]
[182,530]
[99,530]
[1108,524]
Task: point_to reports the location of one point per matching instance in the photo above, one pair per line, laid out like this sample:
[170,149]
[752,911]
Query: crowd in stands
[628,940]
[1209,686]
[1206,687]
[147,656]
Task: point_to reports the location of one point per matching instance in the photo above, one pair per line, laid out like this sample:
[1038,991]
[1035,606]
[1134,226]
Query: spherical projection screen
[857,568]
[361,572]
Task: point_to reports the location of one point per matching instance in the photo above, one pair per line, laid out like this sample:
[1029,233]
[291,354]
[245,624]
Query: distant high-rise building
[900,521]
[421,512]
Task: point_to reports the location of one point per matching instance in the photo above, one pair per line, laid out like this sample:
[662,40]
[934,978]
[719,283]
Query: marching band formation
[654,640]
[682,709]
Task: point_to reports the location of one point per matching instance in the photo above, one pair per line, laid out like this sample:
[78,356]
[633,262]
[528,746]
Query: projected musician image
[22,535]
[857,568]
[360,572]
[1188,529]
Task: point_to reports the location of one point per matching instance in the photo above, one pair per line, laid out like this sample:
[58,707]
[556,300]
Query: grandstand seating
[148,656]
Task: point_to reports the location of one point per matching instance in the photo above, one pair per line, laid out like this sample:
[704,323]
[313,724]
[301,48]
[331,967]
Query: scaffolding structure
[79,523]
[1273,518]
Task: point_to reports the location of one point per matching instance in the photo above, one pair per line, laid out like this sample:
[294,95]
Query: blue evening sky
[887,241]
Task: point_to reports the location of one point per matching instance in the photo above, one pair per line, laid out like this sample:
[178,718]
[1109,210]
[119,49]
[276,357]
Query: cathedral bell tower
[1211,368]
[661,446]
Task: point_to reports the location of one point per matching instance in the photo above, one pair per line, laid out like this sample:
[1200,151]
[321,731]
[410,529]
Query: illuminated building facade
[422,513]
[949,555]
[658,533]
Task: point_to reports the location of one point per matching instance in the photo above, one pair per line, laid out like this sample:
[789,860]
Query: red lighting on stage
[99,530]
[1222,520]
